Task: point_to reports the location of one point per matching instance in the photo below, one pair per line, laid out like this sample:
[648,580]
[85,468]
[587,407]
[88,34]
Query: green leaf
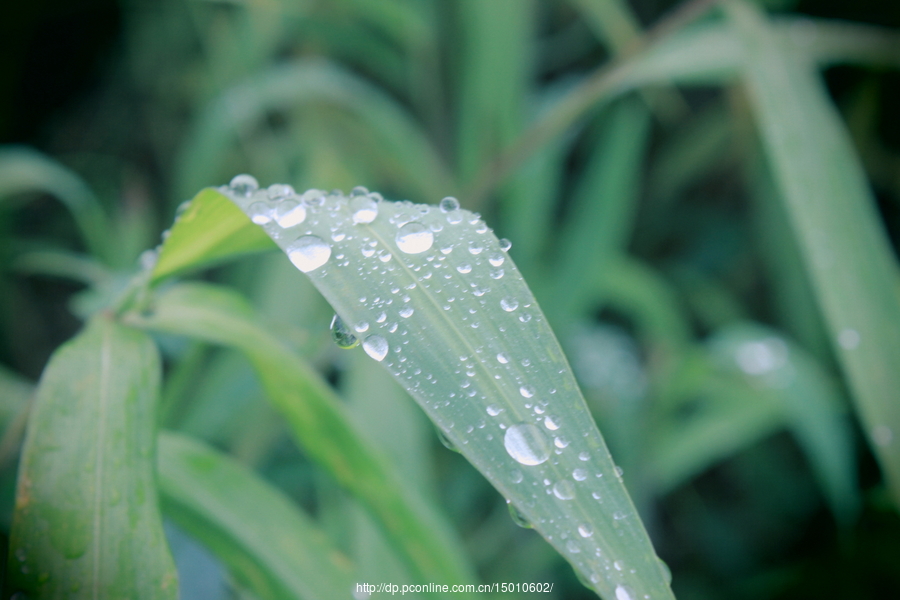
[440,304]
[24,170]
[270,545]
[86,522]
[210,230]
[319,423]
[834,218]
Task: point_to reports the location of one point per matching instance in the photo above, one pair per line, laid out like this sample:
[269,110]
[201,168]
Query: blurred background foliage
[649,226]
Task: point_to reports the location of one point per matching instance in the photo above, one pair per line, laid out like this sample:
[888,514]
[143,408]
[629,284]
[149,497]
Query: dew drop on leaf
[279,191]
[341,334]
[585,530]
[376,347]
[260,213]
[527,391]
[624,593]
[502,358]
[414,238]
[289,214]
[509,304]
[244,185]
[517,516]
[449,204]
[505,244]
[527,444]
[364,209]
[563,489]
[308,253]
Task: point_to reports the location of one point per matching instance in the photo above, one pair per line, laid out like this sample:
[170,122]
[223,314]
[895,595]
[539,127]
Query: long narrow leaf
[86,522]
[435,298]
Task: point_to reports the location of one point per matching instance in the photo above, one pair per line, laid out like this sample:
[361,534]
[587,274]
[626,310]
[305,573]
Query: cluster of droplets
[410,256]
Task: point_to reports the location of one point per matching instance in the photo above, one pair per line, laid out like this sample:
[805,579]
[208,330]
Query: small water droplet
[376,347]
[624,592]
[509,304]
[497,274]
[289,214]
[619,515]
[448,444]
[279,191]
[244,185]
[381,318]
[525,317]
[516,476]
[361,327]
[364,209]
[359,191]
[573,547]
[475,248]
[414,238]
[502,358]
[551,422]
[406,312]
[619,565]
[454,217]
[563,489]
[526,444]
[341,334]
[308,253]
[579,474]
[619,471]
[584,456]
[449,204]
[517,516]
[560,442]
[260,212]
[505,244]
[666,571]
[527,391]
[494,410]
[585,530]
[464,268]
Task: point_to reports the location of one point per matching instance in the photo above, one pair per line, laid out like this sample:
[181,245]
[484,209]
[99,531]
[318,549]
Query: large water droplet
[260,212]
[279,191]
[244,185]
[505,244]
[414,238]
[517,516]
[449,204]
[376,347]
[341,334]
[527,444]
[563,489]
[308,253]
[290,213]
[624,592]
[509,304]
[364,209]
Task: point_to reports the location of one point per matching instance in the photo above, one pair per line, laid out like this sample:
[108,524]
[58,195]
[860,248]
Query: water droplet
[364,209]
[260,212]
[579,474]
[527,391]
[502,358]
[505,244]
[666,571]
[454,217]
[509,304]
[449,204]
[624,592]
[585,530]
[308,253]
[517,516]
[341,334]
[381,318]
[464,268]
[848,339]
[563,489]
[619,565]
[584,456]
[497,274]
[361,327]
[414,238]
[359,191]
[619,515]
[406,312]
[289,214]
[619,471]
[526,444]
[279,191]
[449,445]
[551,422]
[516,476]
[376,347]
[560,442]
[475,248]
[573,547]
[494,410]
[244,185]
[525,317]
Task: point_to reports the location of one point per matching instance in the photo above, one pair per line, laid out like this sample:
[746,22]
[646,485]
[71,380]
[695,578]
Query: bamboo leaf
[265,540]
[437,301]
[86,522]
[319,423]
[832,213]
[210,230]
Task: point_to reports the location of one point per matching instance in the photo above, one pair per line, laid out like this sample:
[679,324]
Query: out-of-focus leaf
[833,215]
[208,231]
[830,43]
[24,170]
[86,522]
[438,302]
[270,545]
[809,399]
[319,423]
